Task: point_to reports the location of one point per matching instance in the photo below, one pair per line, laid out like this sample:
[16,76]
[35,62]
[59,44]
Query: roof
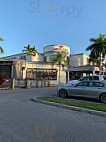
[79,54]
[20,54]
[2,59]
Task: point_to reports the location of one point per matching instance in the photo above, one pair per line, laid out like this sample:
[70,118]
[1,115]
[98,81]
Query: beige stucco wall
[17,69]
[85,59]
[76,60]
[79,60]
[38,57]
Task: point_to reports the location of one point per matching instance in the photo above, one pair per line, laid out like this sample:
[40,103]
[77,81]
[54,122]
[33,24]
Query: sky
[49,22]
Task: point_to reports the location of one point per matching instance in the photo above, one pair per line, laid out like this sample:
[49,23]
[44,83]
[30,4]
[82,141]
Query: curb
[100,113]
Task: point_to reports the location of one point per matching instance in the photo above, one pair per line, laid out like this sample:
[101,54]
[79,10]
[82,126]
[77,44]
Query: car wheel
[63,93]
[103,98]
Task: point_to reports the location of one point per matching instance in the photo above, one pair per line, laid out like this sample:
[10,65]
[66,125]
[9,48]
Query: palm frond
[93,40]
[1,39]
[29,50]
[59,58]
[91,47]
[1,50]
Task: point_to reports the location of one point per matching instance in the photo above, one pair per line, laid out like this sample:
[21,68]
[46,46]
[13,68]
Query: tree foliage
[98,48]
[1,49]
[30,51]
[59,58]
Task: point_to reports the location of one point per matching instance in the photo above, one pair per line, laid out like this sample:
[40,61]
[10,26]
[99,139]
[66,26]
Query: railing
[12,83]
[30,83]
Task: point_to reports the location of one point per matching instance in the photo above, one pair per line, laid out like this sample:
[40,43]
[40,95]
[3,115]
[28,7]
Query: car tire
[103,98]
[63,93]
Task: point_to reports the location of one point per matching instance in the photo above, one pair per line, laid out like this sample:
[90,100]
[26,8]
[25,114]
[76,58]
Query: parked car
[88,77]
[91,89]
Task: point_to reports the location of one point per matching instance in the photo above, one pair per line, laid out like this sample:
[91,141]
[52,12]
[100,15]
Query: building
[79,60]
[13,68]
[38,66]
[80,66]
[51,50]
[22,66]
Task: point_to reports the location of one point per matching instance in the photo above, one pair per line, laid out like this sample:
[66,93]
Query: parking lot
[38,92]
[23,120]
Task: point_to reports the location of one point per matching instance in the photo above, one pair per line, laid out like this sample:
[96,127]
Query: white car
[85,78]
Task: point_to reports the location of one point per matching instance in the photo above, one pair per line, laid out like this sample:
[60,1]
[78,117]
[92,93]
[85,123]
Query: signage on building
[61,48]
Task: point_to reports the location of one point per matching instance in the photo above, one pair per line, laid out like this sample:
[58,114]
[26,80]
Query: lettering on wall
[61,48]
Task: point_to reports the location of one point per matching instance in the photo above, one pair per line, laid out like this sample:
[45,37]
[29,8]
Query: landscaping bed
[76,103]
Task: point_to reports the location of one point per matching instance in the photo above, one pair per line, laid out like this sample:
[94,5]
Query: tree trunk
[100,67]
[59,72]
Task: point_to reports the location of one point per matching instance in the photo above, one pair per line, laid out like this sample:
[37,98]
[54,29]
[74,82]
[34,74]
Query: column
[12,71]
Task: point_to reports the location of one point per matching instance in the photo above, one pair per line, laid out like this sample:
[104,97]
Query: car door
[79,89]
[93,89]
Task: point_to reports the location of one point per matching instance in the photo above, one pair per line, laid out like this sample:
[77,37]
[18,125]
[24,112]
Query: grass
[77,103]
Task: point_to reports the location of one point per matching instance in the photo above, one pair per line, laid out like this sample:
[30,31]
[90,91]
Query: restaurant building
[39,66]
[22,66]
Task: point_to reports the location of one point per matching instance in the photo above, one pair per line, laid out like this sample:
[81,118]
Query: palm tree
[98,48]
[1,49]
[59,58]
[30,51]
[94,61]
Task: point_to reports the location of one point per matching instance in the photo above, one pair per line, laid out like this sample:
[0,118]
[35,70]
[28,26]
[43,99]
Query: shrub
[2,80]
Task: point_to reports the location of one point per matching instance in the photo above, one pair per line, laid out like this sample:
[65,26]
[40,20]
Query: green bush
[33,78]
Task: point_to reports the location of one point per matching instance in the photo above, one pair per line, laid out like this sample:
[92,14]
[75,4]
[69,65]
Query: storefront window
[49,74]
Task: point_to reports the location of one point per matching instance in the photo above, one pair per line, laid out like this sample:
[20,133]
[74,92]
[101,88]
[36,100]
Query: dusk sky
[49,22]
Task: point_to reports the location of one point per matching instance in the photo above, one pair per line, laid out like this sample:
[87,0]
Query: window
[50,58]
[96,84]
[96,77]
[82,84]
[43,74]
[45,59]
[91,78]
[101,85]
[85,78]
[93,84]
[23,57]
[68,60]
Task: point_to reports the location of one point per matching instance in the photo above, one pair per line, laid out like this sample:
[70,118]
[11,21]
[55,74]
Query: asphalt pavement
[22,120]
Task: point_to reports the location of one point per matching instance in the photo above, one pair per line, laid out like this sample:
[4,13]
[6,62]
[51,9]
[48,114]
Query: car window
[82,84]
[85,78]
[91,78]
[101,85]
[95,84]
[96,78]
